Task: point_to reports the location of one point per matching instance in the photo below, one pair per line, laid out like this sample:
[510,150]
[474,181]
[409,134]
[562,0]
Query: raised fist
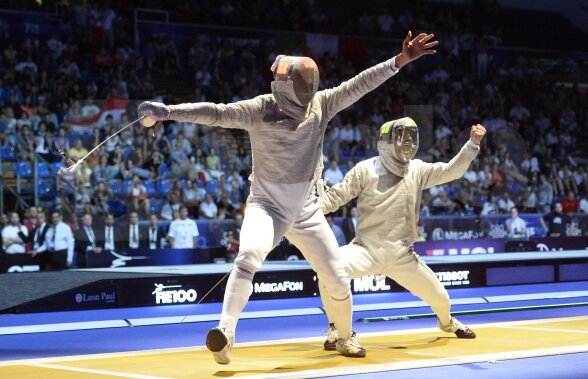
[477,134]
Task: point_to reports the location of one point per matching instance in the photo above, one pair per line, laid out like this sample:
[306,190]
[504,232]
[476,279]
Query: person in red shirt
[571,203]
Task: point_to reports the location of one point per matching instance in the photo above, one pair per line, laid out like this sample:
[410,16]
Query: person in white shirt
[14,235]
[346,136]
[442,131]
[472,177]
[505,204]
[90,109]
[208,208]
[183,232]
[60,242]
[583,206]
[530,164]
[172,205]
[516,226]
[191,197]
[490,206]
[333,174]
[139,197]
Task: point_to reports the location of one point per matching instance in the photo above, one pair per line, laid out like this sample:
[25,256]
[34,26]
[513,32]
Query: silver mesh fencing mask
[296,81]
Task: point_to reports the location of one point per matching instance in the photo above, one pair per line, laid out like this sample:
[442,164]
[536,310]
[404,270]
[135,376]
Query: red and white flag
[115,106]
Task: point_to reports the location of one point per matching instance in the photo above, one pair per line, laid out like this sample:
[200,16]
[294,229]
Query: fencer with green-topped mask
[388,190]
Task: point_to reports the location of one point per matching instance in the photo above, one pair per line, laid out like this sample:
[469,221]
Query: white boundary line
[548,329]
[62,327]
[99,372]
[536,296]
[316,339]
[415,364]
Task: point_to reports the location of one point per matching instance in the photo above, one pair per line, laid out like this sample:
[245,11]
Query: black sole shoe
[330,345]
[465,333]
[216,340]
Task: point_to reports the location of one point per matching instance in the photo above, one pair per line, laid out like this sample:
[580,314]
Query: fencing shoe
[220,342]
[331,341]
[350,347]
[460,330]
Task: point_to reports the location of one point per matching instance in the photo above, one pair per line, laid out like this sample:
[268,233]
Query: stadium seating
[8,154]
[55,167]
[163,170]
[155,205]
[126,186]
[163,187]
[116,187]
[46,189]
[117,208]
[150,187]
[212,186]
[23,170]
[44,171]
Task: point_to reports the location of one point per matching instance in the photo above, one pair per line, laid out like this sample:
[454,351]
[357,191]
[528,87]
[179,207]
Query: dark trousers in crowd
[56,260]
[81,259]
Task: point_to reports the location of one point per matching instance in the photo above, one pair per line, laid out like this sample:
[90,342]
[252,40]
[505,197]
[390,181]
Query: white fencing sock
[444,317]
[327,302]
[239,288]
[342,312]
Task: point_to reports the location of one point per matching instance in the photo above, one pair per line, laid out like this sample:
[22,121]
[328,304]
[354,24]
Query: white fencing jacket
[388,205]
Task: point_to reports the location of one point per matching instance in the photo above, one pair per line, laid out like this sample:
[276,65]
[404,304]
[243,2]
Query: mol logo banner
[370,283]
[173,294]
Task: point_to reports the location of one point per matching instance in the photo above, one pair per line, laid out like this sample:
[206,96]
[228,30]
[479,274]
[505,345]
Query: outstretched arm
[241,114]
[342,192]
[414,48]
[349,92]
[433,174]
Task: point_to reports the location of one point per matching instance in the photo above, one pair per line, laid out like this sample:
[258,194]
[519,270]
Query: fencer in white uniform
[388,188]
[287,129]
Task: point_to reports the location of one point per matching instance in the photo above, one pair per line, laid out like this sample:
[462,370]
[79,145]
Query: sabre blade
[75,164]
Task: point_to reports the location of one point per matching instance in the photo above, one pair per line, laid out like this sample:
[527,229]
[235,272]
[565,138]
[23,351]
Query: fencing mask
[296,80]
[398,143]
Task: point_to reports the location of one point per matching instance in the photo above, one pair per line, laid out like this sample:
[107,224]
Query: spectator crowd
[55,244]
[533,159]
